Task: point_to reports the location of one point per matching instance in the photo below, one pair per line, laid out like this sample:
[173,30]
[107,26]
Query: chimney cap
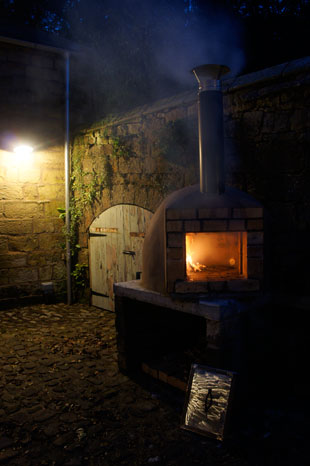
[208,76]
[210,71]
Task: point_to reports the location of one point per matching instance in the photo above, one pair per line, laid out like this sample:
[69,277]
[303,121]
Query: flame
[193,267]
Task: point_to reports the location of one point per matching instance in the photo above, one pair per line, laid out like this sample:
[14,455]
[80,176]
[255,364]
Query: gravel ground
[64,402]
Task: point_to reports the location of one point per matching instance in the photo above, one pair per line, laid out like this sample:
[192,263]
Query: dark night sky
[148,47]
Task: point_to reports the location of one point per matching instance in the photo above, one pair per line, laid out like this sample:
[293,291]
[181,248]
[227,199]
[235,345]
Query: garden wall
[32,84]
[140,157]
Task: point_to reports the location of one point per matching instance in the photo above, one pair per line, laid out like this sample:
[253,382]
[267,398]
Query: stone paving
[64,402]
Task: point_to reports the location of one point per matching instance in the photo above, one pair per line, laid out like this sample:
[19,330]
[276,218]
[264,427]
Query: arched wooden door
[115,250]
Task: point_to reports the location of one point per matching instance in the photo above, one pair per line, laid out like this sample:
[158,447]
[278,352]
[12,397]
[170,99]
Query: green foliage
[80,275]
[80,280]
[86,188]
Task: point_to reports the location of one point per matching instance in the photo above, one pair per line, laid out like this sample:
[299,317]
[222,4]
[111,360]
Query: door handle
[129,253]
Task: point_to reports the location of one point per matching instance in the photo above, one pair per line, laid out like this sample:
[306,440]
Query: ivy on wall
[86,187]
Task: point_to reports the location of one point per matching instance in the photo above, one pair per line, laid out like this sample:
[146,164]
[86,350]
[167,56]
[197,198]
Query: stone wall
[32,83]
[139,158]
[142,156]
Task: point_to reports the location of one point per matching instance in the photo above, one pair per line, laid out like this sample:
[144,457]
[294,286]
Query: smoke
[143,50]
[215,39]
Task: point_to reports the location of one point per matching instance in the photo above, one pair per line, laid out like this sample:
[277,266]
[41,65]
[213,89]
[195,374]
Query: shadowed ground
[64,402]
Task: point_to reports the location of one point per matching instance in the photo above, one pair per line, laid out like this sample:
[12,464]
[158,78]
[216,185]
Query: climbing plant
[86,187]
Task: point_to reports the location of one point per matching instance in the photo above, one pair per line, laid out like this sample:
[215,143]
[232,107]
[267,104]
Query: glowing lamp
[23,150]
[23,154]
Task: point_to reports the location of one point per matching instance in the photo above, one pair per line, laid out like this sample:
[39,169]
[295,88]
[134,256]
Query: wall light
[23,150]
[23,154]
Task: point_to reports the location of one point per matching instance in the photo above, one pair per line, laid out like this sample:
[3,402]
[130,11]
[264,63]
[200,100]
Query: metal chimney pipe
[210,126]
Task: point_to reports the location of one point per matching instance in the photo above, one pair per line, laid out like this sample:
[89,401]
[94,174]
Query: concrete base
[150,325]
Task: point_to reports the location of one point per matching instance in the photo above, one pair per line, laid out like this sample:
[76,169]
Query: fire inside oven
[216,256]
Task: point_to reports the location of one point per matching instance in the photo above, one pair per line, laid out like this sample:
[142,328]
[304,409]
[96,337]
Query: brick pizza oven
[202,256]
[202,244]
[206,238]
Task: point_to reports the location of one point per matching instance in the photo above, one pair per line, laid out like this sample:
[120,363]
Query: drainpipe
[67,178]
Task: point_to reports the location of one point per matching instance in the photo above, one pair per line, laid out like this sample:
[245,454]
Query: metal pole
[210,125]
[211,141]
[67,179]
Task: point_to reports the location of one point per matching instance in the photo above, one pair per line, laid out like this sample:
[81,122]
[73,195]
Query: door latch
[129,253]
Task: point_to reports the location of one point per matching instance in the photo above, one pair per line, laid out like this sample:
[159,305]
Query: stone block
[83,239]
[256,224]
[175,270]
[236,225]
[22,210]
[175,240]
[11,191]
[13,260]
[214,225]
[140,196]
[3,244]
[192,225]
[13,68]
[59,271]
[175,114]
[49,241]
[15,227]
[58,226]
[255,268]
[30,192]
[52,175]
[299,118]
[132,165]
[4,277]
[192,110]
[268,122]
[191,287]
[42,61]
[134,128]
[36,258]
[53,76]
[218,286]
[45,273]
[83,258]
[220,212]
[50,208]
[51,158]
[29,175]
[243,285]
[181,214]
[52,192]
[23,243]
[255,251]
[12,175]
[23,275]
[247,212]
[174,225]
[175,253]
[43,226]
[255,237]
[253,121]
[282,122]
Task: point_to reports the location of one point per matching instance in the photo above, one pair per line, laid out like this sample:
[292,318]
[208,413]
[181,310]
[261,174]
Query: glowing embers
[216,256]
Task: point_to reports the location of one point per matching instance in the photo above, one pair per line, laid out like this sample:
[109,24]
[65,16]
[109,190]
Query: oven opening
[216,256]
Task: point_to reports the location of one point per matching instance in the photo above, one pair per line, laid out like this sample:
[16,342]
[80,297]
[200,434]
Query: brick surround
[181,221]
